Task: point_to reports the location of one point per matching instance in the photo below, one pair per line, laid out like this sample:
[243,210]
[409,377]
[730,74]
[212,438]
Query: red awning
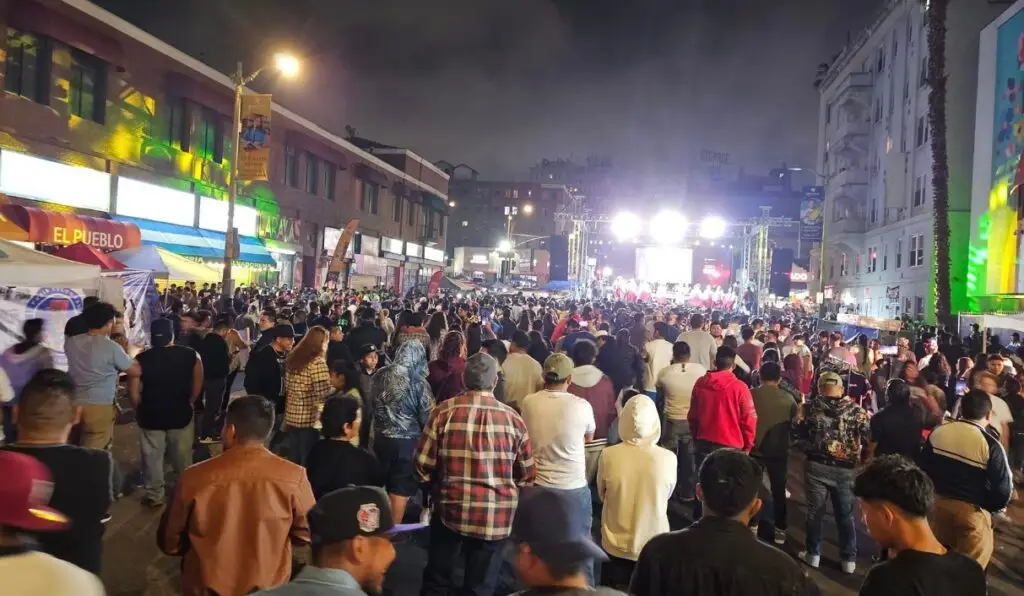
[51,227]
[83,253]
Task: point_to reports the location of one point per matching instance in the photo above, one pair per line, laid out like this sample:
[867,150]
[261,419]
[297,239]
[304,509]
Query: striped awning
[203,244]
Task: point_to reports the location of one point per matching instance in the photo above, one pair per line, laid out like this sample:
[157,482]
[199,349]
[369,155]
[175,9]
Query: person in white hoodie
[634,481]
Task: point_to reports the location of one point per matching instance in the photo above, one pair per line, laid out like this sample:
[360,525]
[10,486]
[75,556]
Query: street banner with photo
[812,216]
[254,137]
[337,264]
[54,305]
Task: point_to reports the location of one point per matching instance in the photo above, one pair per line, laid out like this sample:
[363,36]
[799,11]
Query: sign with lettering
[270,226]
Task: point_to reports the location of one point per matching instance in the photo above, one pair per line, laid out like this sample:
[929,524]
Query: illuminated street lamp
[289,67]
[527,208]
[504,246]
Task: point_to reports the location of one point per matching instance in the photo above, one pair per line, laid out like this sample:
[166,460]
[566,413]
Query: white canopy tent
[20,266]
[991,324]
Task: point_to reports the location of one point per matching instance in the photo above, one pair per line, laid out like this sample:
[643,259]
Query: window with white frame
[872,259]
[899,253]
[917,250]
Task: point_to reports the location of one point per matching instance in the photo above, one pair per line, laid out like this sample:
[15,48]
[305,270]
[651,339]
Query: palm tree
[936,14]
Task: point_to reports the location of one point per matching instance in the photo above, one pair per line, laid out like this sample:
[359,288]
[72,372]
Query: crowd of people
[563,428]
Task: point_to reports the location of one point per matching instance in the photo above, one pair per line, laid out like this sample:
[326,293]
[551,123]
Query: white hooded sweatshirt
[635,480]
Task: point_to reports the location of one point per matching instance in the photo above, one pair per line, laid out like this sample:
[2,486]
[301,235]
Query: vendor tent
[83,253]
[1000,325]
[26,267]
[166,265]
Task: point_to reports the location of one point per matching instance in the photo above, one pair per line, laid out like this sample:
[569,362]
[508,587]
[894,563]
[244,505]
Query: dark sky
[501,84]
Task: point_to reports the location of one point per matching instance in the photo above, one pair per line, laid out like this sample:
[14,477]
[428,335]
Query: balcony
[847,179]
[851,136]
[854,92]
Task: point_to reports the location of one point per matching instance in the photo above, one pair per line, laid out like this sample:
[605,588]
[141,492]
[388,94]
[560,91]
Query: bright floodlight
[712,227]
[527,208]
[287,64]
[626,226]
[607,271]
[504,246]
[668,227]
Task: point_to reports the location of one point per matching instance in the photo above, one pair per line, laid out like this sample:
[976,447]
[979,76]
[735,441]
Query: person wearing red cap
[24,494]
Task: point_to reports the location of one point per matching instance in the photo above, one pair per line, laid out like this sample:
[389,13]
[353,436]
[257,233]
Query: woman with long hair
[549,324]
[792,375]
[401,403]
[20,363]
[437,326]
[630,354]
[445,372]
[538,349]
[308,384]
[474,337]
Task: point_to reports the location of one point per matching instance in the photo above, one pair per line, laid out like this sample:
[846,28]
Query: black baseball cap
[354,511]
[161,332]
[545,521]
[282,330]
[365,349]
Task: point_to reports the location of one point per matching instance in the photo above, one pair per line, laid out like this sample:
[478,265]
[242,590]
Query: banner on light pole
[254,138]
[812,214]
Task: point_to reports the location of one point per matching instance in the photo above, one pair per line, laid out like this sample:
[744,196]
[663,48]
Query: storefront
[46,227]
[433,261]
[412,278]
[368,268]
[392,250]
[282,237]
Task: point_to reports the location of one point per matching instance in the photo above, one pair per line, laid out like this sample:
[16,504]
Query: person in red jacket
[721,413]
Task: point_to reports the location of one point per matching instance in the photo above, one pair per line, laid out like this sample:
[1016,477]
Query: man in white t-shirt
[24,492]
[675,388]
[560,424]
[657,355]
[523,374]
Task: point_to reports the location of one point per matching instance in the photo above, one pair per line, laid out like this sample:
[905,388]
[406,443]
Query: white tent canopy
[20,266]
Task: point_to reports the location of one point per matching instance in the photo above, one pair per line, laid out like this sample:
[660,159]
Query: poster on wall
[254,138]
[1001,259]
[54,305]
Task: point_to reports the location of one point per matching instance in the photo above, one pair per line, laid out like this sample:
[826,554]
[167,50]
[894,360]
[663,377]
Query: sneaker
[780,536]
[208,440]
[848,567]
[809,559]
[153,502]
[753,529]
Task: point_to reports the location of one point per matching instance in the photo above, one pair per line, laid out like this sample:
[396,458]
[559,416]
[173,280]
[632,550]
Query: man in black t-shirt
[895,499]
[172,379]
[213,349]
[82,477]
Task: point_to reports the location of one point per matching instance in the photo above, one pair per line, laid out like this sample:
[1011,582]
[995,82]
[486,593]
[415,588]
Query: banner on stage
[254,137]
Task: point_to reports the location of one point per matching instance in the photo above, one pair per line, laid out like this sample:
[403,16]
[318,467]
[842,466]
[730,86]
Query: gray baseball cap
[481,371]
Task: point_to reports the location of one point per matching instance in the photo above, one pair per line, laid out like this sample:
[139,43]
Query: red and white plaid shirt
[477,452]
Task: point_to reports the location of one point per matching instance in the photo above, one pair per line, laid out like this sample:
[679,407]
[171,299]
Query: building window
[312,173]
[873,259]
[87,97]
[396,208]
[832,268]
[210,136]
[922,131]
[880,60]
[885,257]
[26,69]
[412,214]
[328,175]
[920,190]
[828,112]
[873,215]
[179,128]
[899,253]
[924,70]
[917,250]
[878,109]
[370,200]
[918,306]
[291,168]
[906,307]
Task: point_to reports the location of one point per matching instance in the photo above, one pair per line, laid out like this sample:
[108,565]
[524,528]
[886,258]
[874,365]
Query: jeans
[676,437]
[777,469]
[821,481]
[298,442]
[155,444]
[702,449]
[480,562]
[213,395]
[584,520]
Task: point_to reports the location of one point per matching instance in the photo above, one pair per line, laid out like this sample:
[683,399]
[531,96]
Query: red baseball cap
[24,493]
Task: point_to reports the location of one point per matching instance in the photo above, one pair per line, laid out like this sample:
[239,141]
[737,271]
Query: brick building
[101,121]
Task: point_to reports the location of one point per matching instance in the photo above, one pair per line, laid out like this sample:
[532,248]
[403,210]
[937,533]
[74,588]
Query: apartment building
[875,156]
[105,127]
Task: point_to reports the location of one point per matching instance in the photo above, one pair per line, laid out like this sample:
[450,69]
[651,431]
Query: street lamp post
[287,66]
[824,221]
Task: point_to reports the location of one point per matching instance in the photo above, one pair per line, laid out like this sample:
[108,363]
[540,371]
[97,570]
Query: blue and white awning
[203,244]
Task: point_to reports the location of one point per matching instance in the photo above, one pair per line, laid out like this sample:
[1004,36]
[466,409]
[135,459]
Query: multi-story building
[104,126]
[874,152]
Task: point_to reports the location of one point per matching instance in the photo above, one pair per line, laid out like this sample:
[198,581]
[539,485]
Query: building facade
[875,156]
[100,121]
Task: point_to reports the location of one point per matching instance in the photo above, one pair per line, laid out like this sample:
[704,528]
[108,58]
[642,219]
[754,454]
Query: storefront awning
[31,224]
[202,244]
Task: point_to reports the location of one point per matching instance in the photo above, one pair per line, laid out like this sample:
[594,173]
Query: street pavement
[133,566]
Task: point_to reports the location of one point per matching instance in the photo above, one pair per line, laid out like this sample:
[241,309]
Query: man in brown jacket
[234,517]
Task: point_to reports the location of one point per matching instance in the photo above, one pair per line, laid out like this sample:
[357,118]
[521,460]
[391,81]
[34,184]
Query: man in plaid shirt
[476,452]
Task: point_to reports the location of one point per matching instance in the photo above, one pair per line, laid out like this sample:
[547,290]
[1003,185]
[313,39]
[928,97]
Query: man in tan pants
[972,479]
[95,362]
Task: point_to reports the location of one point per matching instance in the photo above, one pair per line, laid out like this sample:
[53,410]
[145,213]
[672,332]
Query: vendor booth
[992,325]
[166,266]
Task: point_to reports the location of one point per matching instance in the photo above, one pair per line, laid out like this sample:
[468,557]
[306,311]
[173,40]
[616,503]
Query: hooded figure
[401,398]
[635,480]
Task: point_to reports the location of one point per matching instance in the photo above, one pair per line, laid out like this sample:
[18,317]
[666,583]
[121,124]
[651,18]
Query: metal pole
[236,126]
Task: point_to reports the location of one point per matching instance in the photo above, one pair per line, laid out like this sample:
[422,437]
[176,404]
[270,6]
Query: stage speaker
[558,246]
[782,266]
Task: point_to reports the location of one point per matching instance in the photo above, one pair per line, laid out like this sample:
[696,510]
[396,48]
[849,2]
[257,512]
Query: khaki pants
[97,425]
[964,528]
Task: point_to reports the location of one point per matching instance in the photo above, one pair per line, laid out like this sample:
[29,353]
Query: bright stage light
[668,227]
[626,226]
[607,271]
[712,227]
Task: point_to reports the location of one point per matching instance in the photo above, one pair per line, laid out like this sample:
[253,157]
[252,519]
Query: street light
[451,203]
[504,246]
[527,208]
[288,66]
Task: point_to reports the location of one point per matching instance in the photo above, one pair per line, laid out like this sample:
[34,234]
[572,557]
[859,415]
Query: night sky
[501,84]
